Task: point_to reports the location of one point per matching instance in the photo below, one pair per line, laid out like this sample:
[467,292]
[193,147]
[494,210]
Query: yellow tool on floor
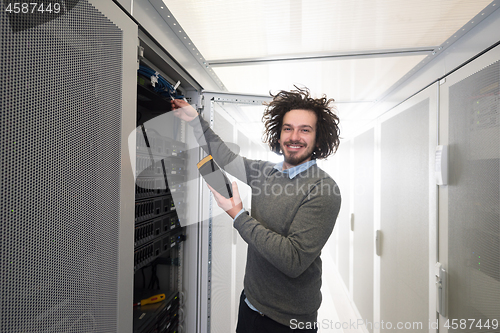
[151,300]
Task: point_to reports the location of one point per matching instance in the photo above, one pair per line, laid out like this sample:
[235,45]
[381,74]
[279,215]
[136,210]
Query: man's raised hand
[183,110]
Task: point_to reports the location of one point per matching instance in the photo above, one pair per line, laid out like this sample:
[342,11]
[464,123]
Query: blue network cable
[161,86]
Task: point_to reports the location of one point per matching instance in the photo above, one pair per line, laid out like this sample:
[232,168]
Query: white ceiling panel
[229,29]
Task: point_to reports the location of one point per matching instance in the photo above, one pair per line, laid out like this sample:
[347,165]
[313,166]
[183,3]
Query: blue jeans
[250,321]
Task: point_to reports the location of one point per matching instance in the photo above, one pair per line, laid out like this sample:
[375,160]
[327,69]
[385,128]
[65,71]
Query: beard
[296,158]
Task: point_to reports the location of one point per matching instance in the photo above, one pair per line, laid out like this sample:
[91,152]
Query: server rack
[158,234]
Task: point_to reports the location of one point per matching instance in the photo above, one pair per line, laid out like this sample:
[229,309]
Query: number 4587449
[471,323]
[33,8]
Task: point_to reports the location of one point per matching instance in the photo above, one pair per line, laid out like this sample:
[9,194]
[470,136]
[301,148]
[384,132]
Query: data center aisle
[336,314]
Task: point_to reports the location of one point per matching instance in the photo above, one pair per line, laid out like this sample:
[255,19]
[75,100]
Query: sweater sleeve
[310,229]
[224,154]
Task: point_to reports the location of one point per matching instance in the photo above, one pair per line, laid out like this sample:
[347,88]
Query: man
[294,208]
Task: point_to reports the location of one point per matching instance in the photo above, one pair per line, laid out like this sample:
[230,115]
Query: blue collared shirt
[292,173]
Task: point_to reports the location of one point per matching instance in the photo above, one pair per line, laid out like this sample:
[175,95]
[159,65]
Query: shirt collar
[294,171]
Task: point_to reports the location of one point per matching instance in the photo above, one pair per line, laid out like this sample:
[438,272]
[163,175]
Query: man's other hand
[231,206]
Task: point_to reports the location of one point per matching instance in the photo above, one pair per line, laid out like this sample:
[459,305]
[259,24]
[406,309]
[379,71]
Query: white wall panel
[363,240]
[404,286]
[342,229]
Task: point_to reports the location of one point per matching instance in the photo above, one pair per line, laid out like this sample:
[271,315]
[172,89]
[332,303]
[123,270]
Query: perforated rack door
[60,137]
[474,199]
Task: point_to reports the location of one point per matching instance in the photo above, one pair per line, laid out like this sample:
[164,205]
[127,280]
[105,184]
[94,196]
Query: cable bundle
[160,85]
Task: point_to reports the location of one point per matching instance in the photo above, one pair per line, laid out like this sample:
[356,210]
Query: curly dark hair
[327,127]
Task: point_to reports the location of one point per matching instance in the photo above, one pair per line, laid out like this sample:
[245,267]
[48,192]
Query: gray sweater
[290,223]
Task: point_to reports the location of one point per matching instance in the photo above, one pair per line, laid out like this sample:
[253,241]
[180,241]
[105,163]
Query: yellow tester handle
[153,299]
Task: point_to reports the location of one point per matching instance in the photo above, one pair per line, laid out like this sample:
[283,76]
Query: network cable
[160,85]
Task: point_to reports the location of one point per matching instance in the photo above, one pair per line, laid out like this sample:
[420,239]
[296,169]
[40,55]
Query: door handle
[441,277]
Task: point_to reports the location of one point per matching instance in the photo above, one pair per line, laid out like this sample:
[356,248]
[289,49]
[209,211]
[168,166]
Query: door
[469,225]
[223,252]
[407,251]
[67,190]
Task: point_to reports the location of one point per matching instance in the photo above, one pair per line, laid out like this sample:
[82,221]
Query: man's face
[298,137]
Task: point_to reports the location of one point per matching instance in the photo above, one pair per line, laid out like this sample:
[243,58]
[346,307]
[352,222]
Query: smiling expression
[298,137]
